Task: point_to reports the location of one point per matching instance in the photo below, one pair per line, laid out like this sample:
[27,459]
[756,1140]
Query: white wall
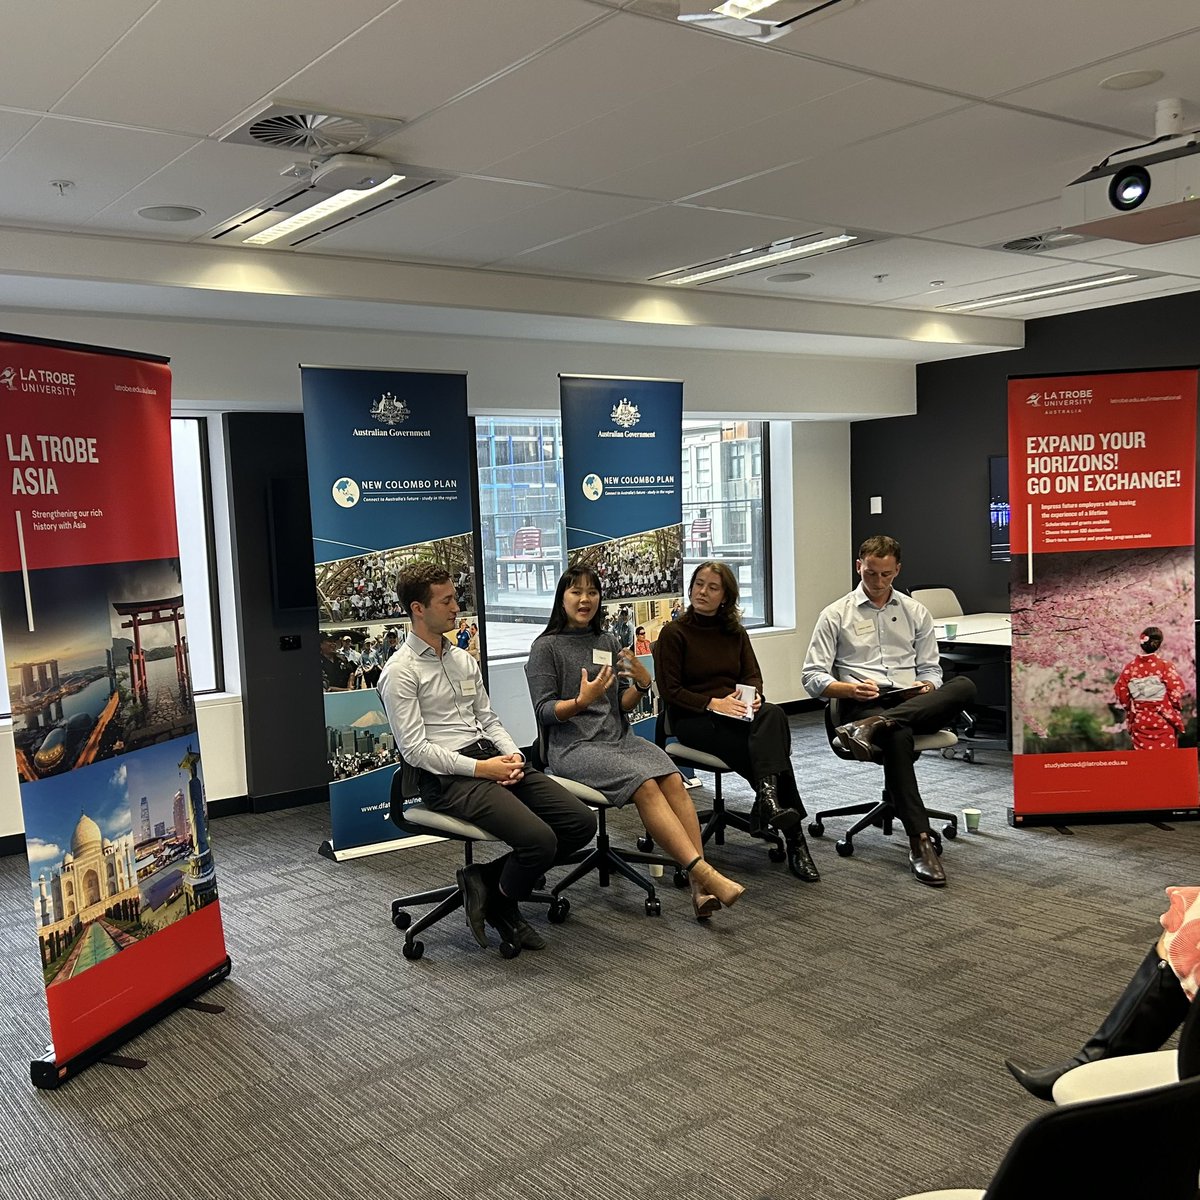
[220,366]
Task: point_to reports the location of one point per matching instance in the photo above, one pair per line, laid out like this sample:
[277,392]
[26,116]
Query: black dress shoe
[800,861]
[769,810]
[857,736]
[1040,1082]
[924,860]
[525,935]
[475,894]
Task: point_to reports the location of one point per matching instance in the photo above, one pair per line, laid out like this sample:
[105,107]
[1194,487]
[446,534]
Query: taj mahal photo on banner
[118,850]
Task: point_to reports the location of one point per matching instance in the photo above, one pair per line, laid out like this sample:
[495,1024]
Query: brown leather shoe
[925,862]
[857,736]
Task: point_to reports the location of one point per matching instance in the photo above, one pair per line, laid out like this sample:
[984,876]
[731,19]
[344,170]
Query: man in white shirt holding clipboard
[875,650]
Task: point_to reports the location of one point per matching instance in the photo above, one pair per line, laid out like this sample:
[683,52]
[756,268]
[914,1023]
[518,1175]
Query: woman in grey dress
[583,683]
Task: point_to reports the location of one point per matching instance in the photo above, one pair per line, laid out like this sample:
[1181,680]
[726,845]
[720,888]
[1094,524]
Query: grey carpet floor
[817,1042]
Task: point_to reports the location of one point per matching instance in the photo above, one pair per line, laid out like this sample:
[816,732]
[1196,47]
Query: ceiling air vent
[1041,243]
[301,128]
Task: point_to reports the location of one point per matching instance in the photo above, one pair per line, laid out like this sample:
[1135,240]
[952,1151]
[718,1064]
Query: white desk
[977,629]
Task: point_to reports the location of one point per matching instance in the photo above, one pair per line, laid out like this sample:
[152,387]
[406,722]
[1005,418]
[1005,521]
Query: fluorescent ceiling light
[317,212]
[1079,285]
[741,9]
[752,260]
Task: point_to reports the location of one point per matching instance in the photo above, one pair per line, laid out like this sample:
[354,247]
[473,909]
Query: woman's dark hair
[1151,638]
[729,614]
[575,573]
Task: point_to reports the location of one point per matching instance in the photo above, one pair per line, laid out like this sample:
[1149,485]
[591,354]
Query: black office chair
[1139,1145]
[881,812]
[411,816]
[713,821]
[602,858]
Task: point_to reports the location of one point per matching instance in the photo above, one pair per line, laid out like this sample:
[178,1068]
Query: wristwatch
[643,690]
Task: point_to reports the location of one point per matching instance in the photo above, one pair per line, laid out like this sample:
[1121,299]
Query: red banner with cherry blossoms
[1102,484]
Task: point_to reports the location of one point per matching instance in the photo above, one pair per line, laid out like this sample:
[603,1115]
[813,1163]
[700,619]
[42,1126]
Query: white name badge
[468,687]
[864,627]
[602,658]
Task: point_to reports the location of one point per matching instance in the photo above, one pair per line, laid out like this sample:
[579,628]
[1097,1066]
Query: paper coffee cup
[971,819]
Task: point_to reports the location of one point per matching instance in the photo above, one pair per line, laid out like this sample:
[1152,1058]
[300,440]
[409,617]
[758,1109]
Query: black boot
[1147,1013]
[768,811]
[799,860]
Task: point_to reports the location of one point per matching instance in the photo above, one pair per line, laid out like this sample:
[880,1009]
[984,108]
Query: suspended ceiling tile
[616,63]
[220,178]
[474,222]
[985,49]
[681,119]
[654,242]
[996,227]
[194,67]
[13,127]
[975,160]
[419,54]
[44,50]
[906,267]
[1080,96]
[101,161]
[1178,258]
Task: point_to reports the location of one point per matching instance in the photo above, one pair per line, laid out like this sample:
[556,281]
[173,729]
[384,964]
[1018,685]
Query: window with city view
[723,476]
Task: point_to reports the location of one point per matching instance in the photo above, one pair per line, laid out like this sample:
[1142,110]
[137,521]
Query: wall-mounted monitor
[998,512]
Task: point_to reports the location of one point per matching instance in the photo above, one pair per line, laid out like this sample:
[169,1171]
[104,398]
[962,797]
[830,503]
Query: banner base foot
[47,1072]
[1145,816]
[326,850]
[122,1060]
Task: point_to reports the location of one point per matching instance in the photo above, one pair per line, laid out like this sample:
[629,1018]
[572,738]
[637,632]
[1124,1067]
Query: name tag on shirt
[468,687]
[602,658]
[863,627]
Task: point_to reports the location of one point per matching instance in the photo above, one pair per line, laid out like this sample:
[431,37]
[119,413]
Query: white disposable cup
[971,819]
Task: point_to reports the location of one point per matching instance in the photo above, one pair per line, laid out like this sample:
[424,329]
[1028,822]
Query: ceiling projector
[1146,195]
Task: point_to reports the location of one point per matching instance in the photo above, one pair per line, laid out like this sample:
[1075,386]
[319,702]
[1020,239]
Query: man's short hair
[880,546]
[415,583]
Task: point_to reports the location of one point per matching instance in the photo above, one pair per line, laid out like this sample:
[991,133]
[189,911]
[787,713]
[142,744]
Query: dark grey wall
[281,689]
[931,468]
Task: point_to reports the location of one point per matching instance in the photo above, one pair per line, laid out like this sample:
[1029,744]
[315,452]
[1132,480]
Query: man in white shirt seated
[875,650]
[469,767]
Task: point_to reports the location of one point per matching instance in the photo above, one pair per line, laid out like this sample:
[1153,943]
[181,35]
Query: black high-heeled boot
[799,860]
[1149,1010]
[768,811]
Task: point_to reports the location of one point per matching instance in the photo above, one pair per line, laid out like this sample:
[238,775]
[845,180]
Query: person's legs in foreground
[670,819]
[1147,1012]
[542,823]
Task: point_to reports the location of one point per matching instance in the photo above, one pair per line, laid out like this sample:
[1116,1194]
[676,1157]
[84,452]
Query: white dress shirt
[855,642]
[436,705]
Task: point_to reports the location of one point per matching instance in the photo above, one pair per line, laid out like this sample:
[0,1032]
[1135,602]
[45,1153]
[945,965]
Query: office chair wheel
[509,949]
[645,843]
[844,847]
[937,843]
[777,853]
[950,831]
[816,829]
[556,914]
[412,950]
[680,878]
[653,906]
[401,919]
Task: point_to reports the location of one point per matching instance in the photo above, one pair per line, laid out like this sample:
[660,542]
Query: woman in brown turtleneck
[699,661]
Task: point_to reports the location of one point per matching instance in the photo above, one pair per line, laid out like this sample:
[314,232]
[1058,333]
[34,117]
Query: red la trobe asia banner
[1102,487]
[95,639]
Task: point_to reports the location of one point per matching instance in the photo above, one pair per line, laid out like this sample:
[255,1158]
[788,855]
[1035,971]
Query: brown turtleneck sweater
[696,660]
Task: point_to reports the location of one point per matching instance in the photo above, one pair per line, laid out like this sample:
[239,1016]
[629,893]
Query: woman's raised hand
[632,668]
[590,690]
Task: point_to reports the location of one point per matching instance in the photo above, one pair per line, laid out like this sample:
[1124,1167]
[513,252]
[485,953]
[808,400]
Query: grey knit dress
[596,747]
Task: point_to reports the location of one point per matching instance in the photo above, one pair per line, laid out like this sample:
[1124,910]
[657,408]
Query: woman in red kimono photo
[1150,690]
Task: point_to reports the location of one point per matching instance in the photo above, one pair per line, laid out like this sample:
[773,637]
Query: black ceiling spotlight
[1129,187]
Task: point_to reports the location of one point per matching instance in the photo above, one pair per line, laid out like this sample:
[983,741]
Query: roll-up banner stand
[1102,485]
[123,886]
[622,448]
[390,466]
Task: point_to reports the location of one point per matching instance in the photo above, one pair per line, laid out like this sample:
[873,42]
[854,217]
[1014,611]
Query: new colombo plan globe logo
[345,492]
[593,486]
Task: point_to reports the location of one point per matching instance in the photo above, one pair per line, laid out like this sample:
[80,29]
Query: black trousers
[754,749]
[542,822]
[920,714]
